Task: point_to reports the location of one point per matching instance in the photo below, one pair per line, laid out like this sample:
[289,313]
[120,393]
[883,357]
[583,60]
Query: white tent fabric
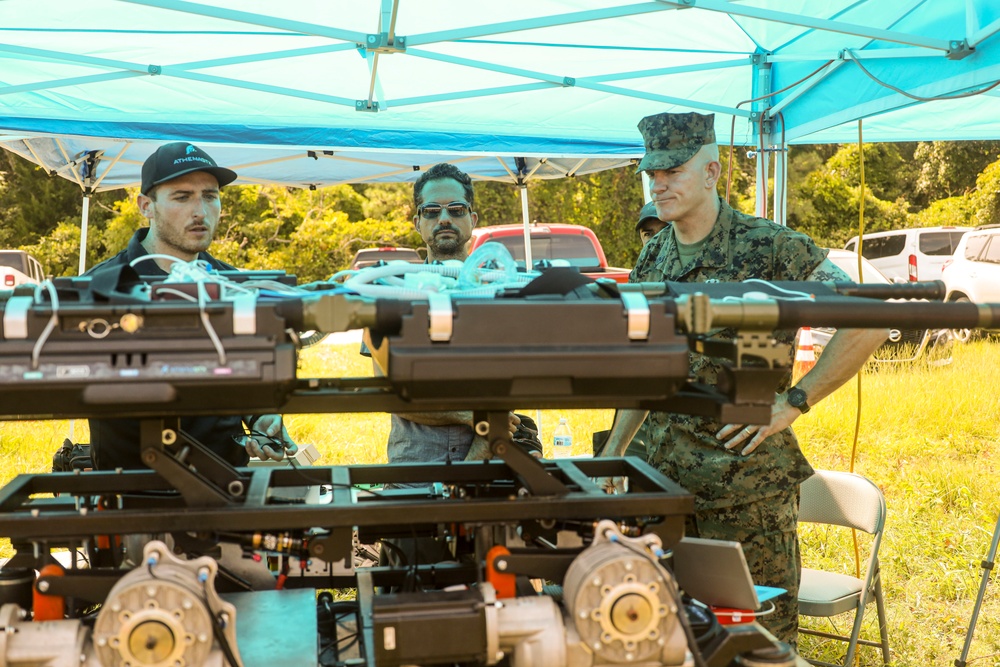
[412,82]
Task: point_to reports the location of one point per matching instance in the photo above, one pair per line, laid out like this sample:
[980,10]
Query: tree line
[316,233]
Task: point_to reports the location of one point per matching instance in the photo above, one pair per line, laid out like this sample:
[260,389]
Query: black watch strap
[797,398]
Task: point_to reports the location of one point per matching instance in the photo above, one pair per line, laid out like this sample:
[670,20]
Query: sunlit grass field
[929,438]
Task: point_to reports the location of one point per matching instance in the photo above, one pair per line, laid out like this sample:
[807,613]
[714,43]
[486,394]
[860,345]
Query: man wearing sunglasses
[444,199]
[445,217]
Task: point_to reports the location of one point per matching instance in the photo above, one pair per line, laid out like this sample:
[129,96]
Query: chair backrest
[843,499]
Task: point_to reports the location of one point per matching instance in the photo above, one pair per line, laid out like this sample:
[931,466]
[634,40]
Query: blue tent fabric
[413,82]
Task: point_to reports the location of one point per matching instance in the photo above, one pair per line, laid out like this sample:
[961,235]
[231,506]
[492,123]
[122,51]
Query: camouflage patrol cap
[672,139]
[648,212]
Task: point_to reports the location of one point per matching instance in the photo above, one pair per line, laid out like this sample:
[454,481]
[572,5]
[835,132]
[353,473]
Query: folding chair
[852,501]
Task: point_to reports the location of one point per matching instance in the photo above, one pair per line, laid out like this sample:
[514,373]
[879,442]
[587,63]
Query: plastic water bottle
[562,441]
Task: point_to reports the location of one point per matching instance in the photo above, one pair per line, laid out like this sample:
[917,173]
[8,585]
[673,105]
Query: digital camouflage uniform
[751,499]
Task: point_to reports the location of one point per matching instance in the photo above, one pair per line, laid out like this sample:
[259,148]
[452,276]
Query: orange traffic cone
[805,356]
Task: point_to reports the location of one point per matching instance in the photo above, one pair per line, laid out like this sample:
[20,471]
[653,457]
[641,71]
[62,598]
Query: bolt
[501,565]
[43,586]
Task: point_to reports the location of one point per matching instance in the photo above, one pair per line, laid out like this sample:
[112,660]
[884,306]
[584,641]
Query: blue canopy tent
[313,92]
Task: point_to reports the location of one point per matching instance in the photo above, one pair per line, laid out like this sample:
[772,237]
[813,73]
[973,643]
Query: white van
[910,254]
[18,267]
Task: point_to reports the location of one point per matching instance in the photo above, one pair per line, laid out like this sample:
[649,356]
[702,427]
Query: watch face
[797,398]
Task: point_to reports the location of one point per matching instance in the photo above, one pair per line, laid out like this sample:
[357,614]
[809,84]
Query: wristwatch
[798,399]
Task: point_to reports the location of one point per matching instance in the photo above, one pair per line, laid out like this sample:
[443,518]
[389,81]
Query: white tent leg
[83,234]
[762,171]
[780,212]
[528,263]
[646,196]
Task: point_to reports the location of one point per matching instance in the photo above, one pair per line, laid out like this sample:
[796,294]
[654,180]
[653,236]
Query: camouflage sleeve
[828,271]
[796,256]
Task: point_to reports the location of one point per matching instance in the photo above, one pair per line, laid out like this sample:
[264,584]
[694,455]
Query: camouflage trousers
[767,530]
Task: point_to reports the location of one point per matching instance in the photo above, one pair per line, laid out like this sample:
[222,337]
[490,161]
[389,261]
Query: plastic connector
[306,456]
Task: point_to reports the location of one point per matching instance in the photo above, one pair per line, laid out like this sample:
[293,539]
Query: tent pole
[528,263]
[763,167]
[781,185]
[85,219]
[762,124]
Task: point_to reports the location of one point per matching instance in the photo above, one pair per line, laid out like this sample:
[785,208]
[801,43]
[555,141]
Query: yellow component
[152,642]
[130,322]
[631,614]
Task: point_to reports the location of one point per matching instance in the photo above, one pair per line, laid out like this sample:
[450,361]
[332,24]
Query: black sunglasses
[456,209]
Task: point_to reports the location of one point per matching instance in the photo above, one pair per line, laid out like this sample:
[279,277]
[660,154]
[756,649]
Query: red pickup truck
[574,244]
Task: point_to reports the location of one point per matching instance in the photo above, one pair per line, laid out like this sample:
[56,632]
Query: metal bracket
[15,317]
[245,314]
[761,345]
[362,105]
[761,117]
[636,314]
[959,49]
[441,317]
[379,43]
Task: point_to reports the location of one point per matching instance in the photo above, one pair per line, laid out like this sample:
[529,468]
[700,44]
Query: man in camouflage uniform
[649,224]
[745,478]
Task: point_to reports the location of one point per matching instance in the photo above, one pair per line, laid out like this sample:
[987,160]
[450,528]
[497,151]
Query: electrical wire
[938,98]
[793,295]
[207,323]
[732,128]
[217,629]
[861,278]
[50,326]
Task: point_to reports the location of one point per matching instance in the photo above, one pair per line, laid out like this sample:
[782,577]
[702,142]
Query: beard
[447,245]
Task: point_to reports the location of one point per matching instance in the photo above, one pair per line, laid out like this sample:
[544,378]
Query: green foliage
[985,201]
[889,173]
[950,168]
[387,201]
[834,202]
[319,248]
[33,203]
[955,211]
[59,251]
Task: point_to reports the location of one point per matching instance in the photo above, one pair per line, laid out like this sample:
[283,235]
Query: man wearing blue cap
[180,196]
[745,478]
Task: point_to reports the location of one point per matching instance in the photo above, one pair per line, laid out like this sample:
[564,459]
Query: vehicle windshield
[578,251]
[14,260]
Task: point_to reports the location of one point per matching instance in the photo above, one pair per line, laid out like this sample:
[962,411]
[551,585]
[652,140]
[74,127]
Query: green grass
[929,439]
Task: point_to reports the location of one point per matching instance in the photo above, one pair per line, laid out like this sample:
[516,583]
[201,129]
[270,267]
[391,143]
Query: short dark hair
[440,172]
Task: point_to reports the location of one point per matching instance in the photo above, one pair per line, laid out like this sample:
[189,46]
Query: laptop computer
[715,572]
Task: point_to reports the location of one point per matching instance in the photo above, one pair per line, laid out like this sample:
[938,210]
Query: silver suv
[973,273]
[904,345]
[910,254]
